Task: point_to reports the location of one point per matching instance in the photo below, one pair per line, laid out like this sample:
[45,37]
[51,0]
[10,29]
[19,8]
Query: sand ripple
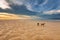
[17,30]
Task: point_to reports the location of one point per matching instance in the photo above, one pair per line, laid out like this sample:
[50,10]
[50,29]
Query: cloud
[8,16]
[42,5]
[32,8]
[52,12]
[16,2]
[32,5]
[37,5]
[29,7]
[4,4]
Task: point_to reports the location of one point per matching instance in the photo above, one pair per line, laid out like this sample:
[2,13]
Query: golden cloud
[13,16]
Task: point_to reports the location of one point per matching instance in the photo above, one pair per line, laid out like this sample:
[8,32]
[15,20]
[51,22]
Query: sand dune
[28,30]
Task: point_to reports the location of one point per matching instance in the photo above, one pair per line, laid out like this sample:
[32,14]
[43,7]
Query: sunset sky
[38,9]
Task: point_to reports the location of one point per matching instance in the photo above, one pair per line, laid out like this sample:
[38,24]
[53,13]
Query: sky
[41,9]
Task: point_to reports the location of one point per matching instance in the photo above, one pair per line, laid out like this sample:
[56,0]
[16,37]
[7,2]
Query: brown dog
[37,24]
[42,24]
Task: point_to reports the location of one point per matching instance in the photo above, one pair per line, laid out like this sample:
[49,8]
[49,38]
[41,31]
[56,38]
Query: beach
[24,29]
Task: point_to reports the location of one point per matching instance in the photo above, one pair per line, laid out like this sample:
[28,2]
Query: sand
[28,30]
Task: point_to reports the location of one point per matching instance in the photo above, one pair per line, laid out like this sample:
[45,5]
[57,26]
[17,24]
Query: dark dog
[42,24]
[37,24]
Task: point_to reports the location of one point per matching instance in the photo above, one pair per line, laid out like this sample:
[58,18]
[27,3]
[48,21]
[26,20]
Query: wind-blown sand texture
[28,30]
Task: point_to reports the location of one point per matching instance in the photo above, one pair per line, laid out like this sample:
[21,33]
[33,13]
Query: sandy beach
[28,30]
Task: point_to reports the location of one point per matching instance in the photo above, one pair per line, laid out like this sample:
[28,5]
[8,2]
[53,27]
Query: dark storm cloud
[41,8]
